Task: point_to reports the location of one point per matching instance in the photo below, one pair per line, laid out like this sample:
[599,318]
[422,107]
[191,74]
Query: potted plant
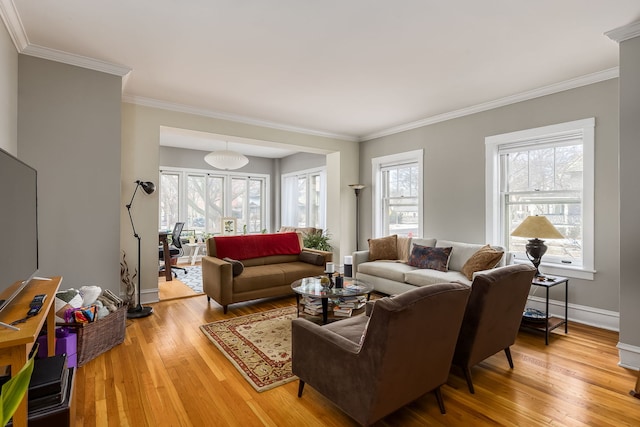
[317,241]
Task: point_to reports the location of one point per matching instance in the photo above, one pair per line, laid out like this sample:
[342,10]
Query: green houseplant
[317,241]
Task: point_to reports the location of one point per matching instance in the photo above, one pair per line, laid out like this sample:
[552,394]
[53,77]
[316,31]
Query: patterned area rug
[258,345]
[192,279]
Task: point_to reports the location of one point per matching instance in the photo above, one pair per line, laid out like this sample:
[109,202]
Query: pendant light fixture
[226,159]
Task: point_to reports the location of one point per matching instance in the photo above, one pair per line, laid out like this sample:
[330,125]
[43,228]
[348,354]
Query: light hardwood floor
[167,373]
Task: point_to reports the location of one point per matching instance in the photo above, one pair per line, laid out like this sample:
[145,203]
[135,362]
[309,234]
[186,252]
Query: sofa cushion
[259,277]
[386,269]
[383,248]
[460,252]
[425,277]
[431,258]
[484,259]
[237,266]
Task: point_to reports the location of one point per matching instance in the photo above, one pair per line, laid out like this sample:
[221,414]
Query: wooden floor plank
[167,372]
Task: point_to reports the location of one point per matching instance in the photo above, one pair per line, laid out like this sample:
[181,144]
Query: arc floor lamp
[139,311]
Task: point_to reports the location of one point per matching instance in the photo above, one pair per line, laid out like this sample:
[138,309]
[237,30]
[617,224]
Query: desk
[16,345]
[162,238]
[549,323]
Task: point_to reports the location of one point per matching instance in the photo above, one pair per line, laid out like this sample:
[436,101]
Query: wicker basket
[102,335]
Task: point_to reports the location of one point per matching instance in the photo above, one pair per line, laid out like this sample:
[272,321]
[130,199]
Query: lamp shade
[537,227]
[226,159]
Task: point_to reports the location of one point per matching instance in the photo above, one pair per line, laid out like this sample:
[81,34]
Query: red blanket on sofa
[257,245]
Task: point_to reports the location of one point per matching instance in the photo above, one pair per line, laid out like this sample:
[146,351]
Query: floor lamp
[357,188]
[139,311]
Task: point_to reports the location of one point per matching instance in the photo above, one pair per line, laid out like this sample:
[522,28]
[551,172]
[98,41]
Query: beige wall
[140,160]
[8,93]
[69,130]
[629,202]
[454,177]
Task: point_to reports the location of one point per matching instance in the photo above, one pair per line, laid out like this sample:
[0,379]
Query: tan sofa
[269,264]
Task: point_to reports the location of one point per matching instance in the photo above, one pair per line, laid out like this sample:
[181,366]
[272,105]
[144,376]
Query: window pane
[169,200]
[238,201]
[255,206]
[314,201]
[301,215]
[400,202]
[195,203]
[546,182]
[215,204]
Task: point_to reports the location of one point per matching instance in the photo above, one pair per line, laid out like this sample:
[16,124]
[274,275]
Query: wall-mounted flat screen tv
[19,226]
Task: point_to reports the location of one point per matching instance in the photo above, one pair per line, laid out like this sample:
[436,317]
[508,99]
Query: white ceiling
[352,69]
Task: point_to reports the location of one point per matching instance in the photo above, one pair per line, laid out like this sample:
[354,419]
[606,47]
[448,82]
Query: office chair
[175,250]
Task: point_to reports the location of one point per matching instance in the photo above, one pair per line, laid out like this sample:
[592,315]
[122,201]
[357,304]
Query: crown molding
[181,108]
[600,76]
[13,23]
[19,37]
[625,32]
[77,60]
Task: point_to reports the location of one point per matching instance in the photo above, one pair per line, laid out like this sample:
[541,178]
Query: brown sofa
[372,366]
[269,264]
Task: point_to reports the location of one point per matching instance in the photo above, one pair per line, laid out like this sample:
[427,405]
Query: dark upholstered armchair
[493,316]
[371,366]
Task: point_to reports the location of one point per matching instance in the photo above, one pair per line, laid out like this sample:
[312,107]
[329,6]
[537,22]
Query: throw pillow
[311,258]
[485,258]
[428,257]
[383,248]
[236,265]
[404,244]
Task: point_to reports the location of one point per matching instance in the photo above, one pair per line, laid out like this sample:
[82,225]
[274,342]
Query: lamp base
[138,312]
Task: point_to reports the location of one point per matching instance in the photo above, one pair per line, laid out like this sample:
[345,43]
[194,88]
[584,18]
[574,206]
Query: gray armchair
[493,316]
[371,366]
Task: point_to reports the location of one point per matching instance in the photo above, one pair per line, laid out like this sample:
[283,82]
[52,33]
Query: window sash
[568,195]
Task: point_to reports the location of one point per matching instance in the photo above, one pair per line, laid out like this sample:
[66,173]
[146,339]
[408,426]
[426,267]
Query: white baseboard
[149,296]
[597,317]
[629,356]
[605,319]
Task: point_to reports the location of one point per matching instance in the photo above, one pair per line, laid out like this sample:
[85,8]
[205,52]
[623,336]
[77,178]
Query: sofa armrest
[328,256]
[358,258]
[217,279]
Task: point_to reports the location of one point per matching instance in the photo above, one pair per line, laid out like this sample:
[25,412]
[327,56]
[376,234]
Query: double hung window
[544,171]
[398,194]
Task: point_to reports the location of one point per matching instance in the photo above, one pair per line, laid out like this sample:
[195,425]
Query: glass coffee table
[311,288]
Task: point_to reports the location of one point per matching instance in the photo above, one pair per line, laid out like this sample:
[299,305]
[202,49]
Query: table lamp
[536,227]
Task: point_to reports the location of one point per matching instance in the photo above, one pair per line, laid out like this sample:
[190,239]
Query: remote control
[38,300]
[35,309]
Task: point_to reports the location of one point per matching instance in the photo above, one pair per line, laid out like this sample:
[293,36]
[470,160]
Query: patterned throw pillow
[428,257]
[485,258]
[383,248]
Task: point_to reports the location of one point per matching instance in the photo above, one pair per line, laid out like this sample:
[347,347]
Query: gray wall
[629,197]
[454,176]
[301,161]
[69,130]
[8,93]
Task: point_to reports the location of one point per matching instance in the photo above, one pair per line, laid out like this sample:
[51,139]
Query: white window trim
[493,230]
[322,171]
[228,175]
[377,163]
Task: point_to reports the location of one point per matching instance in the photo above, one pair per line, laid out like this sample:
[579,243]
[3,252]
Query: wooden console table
[15,346]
